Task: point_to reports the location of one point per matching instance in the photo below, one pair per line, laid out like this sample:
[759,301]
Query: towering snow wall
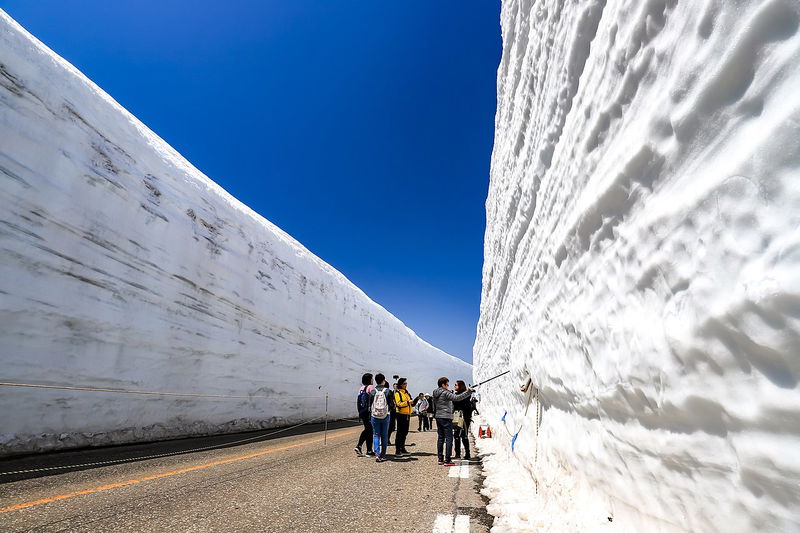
[642,262]
[123,267]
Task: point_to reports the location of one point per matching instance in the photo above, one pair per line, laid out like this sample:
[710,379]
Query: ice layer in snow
[122,266]
[642,263]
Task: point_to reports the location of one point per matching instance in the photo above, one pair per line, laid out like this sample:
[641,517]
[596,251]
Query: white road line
[461,471]
[462,524]
[443,524]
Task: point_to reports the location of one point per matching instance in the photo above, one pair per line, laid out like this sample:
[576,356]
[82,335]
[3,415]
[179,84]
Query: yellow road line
[164,474]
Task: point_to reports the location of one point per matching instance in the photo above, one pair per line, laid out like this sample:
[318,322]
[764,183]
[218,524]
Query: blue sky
[363,129]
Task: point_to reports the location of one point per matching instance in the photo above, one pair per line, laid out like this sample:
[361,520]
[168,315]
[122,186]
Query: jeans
[423,421]
[380,431]
[462,435]
[403,422]
[444,427]
[366,433]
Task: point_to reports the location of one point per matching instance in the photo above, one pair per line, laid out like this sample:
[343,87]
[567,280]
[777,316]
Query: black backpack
[362,402]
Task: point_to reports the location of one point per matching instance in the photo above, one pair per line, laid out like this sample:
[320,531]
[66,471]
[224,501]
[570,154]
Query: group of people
[384,410]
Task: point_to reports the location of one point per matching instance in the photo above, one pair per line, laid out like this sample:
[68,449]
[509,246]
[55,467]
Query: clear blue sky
[363,129]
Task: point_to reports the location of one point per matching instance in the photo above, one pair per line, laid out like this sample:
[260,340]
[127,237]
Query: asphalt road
[291,481]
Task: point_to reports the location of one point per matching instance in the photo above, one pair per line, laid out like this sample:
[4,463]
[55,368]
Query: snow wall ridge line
[181,162]
[127,268]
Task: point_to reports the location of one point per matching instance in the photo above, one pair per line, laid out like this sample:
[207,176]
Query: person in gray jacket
[443,400]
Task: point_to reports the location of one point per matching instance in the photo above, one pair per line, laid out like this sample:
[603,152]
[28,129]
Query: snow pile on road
[642,262]
[122,266]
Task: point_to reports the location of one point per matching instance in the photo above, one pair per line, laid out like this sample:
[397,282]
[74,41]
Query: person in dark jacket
[431,414]
[363,414]
[402,415]
[461,435]
[443,400]
[392,417]
[380,426]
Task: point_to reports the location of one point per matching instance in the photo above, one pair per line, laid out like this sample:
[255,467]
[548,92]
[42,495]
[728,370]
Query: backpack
[362,402]
[458,419]
[380,405]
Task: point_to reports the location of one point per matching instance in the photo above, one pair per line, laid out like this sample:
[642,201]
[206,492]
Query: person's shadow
[421,454]
[401,459]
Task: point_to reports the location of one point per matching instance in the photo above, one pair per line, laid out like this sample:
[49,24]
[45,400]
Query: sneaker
[371,454]
[441,462]
[358,451]
[457,456]
[448,463]
[467,458]
[379,459]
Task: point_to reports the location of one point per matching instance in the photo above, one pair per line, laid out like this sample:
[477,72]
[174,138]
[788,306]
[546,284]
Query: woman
[362,403]
[461,435]
[421,409]
[403,401]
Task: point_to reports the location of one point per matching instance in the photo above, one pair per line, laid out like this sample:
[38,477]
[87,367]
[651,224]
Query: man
[443,399]
[380,407]
[392,415]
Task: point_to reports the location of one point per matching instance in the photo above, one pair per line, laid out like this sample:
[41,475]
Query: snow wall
[122,266]
[642,263]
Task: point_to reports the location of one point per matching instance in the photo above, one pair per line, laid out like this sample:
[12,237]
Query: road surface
[291,481]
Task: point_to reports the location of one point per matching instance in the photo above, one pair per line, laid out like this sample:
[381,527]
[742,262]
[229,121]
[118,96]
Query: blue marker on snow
[513,441]
[504,417]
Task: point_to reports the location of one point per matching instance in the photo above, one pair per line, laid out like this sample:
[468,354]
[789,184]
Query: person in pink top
[362,403]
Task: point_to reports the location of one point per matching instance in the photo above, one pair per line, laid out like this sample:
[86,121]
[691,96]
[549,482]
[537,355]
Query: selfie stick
[490,379]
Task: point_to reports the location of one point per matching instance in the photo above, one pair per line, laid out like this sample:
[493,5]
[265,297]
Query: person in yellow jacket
[403,409]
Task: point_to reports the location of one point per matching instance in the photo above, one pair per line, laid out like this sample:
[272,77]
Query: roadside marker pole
[326,419]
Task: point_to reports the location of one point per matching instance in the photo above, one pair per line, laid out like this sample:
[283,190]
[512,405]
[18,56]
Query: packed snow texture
[642,262]
[122,266]
[513,499]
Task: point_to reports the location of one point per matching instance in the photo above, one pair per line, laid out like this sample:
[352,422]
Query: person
[421,409]
[461,435]
[476,397]
[431,407]
[392,417]
[402,401]
[362,404]
[443,399]
[380,407]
